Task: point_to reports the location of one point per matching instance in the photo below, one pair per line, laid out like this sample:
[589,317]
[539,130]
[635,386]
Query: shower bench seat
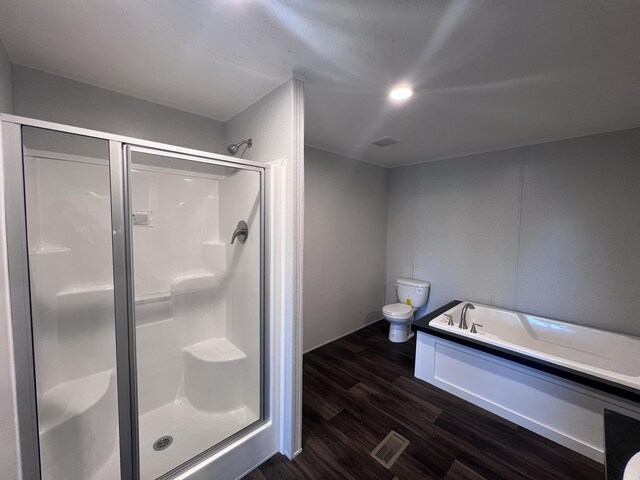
[69,410]
[210,365]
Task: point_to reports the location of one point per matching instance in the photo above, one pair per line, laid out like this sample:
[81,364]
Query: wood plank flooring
[361,386]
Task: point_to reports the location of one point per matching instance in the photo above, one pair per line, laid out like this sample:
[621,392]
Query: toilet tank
[412,292]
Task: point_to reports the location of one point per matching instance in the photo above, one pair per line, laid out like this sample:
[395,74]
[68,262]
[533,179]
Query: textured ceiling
[489,74]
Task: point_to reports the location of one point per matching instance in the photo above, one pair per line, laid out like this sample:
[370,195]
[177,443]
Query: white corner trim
[280,162]
[11,457]
[291,439]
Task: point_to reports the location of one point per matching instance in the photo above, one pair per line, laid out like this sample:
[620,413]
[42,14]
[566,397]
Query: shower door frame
[120,150]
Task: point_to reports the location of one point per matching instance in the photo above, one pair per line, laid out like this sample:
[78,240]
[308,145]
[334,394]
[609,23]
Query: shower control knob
[241,232]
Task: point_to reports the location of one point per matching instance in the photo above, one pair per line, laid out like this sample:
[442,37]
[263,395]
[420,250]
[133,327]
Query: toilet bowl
[400,318]
[412,294]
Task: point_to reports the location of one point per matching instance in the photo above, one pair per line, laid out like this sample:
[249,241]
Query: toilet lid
[397,309]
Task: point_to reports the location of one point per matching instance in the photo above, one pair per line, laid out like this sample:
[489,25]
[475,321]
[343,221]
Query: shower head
[234,147]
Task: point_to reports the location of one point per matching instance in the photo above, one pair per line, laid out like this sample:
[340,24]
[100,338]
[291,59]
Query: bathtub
[608,356]
[552,377]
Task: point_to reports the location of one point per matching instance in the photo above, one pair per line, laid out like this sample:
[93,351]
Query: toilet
[412,294]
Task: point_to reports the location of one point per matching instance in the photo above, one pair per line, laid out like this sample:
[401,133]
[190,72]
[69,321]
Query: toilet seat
[399,311]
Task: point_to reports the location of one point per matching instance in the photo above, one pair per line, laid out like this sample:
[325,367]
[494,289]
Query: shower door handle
[241,232]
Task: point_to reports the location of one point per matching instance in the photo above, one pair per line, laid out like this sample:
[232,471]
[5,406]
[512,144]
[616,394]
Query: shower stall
[138,292]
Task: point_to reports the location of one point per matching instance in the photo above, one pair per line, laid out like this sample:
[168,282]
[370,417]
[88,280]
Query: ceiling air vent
[388,451]
[385,141]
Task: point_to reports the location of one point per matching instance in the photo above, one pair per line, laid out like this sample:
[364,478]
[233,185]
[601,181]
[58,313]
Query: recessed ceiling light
[401,93]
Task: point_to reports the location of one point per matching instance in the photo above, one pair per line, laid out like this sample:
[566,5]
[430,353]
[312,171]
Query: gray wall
[276,125]
[345,245]
[270,122]
[6,92]
[49,97]
[551,229]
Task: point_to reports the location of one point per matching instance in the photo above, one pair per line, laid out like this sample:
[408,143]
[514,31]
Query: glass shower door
[196,231]
[68,217]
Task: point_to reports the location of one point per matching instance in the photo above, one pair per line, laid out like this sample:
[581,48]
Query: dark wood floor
[360,387]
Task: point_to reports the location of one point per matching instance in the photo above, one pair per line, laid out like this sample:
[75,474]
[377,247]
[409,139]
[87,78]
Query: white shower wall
[70,261]
[197,307]
[178,262]
[240,200]
[184,220]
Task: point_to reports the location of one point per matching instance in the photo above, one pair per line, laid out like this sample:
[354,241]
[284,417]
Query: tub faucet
[473,327]
[463,315]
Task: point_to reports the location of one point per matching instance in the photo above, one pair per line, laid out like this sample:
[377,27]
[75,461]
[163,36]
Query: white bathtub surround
[559,409]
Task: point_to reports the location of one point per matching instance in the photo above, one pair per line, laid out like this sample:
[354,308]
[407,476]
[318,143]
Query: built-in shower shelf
[101,295]
[71,399]
[195,282]
[215,350]
[152,298]
[89,296]
[50,250]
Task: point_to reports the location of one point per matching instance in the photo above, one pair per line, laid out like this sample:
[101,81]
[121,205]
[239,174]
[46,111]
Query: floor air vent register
[388,451]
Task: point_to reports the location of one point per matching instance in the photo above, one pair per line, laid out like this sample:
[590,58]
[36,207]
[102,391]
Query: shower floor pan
[79,437]
[192,430]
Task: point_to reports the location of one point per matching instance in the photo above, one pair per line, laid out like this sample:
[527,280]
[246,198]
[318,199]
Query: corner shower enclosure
[146,322]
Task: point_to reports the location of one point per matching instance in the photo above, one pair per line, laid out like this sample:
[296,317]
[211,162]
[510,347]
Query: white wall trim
[10,455]
[291,439]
